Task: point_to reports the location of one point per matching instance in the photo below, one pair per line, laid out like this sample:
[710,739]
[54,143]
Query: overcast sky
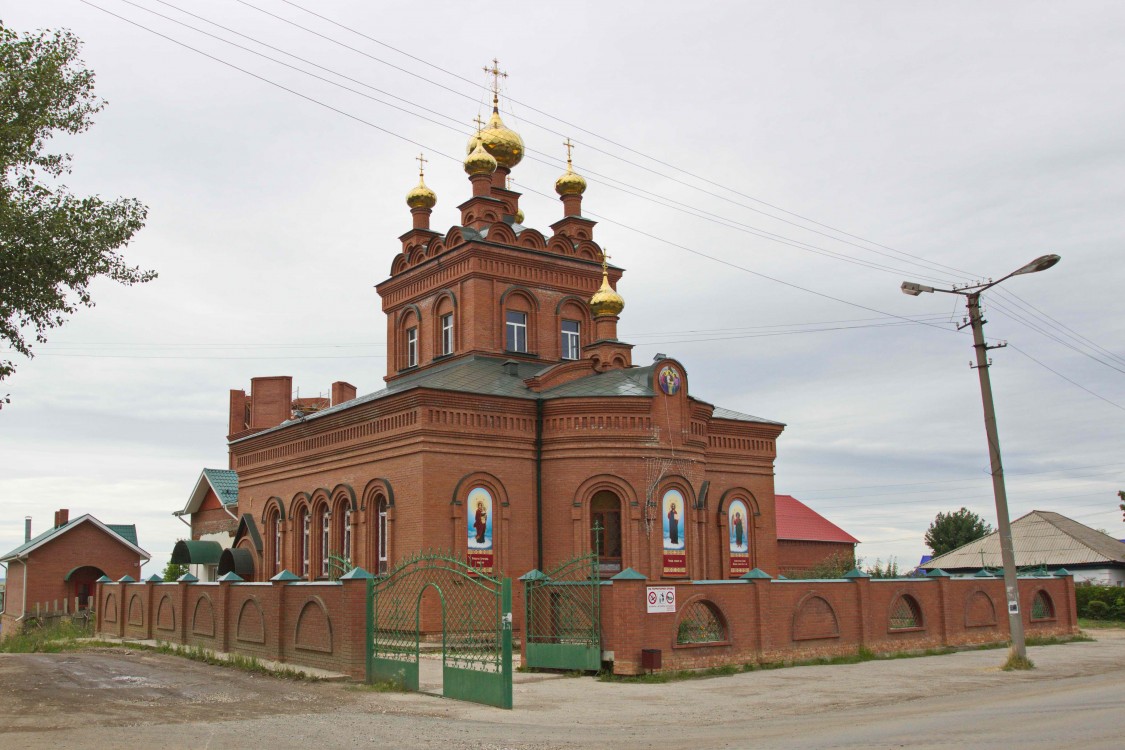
[767,174]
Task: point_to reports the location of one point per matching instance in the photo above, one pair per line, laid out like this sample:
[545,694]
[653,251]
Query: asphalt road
[121,698]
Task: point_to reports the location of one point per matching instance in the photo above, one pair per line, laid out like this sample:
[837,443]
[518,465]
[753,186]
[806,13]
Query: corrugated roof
[1039,538]
[127,531]
[795,520]
[495,376]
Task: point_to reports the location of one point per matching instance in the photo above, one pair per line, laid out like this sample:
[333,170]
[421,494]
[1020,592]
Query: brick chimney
[62,517]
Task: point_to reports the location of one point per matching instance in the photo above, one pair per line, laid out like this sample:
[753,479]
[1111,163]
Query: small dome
[519,216]
[606,301]
[570,183]
[480,161]
[421,196]
[504,144]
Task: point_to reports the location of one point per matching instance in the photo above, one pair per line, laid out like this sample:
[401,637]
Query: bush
[1100,602]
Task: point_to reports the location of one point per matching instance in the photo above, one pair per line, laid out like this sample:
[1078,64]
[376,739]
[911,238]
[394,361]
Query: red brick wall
[321,625]
[797,556]
[768,621]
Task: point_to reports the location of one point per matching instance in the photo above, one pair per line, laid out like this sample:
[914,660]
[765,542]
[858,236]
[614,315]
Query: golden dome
[421,196]
[504,144]
[480,161]
[570,183]
[519,216]
[606,301]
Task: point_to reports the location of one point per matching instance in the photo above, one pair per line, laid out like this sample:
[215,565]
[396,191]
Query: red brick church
[512,422]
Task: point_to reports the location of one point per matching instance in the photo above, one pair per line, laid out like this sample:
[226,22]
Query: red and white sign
[661,599]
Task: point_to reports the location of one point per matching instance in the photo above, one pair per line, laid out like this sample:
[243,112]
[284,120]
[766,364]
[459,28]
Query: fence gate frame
[562,626]
[476,627]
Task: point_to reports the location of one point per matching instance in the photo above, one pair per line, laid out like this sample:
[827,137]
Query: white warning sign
[661,599]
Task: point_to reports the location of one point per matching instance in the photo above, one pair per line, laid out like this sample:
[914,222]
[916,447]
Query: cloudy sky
[767,173]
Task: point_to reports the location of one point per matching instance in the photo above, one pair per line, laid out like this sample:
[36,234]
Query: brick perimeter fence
[324,624]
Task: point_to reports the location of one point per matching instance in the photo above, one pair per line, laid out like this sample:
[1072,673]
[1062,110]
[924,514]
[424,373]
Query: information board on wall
[661,599]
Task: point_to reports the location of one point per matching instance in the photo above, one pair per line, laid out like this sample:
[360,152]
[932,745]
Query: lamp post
[1007,554]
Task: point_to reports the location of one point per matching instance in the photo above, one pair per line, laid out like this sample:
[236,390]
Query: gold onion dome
[480,161]
[570,183]
[606,301]
[420,196]
[504,144]
[519,216]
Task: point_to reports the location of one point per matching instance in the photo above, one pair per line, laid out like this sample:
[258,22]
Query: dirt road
[117,698]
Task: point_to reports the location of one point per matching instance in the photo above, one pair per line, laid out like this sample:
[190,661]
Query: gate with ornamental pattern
[563,623]
[476,628]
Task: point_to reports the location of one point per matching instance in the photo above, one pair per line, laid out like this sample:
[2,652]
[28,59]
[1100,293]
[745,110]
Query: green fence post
[370,629]
[506,642]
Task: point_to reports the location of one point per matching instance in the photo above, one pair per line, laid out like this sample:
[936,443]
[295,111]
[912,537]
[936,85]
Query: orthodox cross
[496,74]
[569,146]
[605,261]
[421,164]
[480,123]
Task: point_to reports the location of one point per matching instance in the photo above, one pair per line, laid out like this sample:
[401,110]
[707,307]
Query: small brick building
[57,569]
[806,539]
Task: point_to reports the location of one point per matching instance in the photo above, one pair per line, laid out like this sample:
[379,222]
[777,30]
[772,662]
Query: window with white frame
[306,535]
[447,333]
[412,347]
[382,532]
[515,338]
[276,521]
[347,551]
[570,336]
[324,528]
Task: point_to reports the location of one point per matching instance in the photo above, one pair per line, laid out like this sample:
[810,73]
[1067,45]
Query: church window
[605,514]
[412,347]
[381,534]
[516,332]
[447,333]
[324,528]
[306,533]
[347,547]
[570,338]
[275,524]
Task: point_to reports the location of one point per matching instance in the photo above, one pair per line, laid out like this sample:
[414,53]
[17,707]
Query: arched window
[304,521]
[701,622]
[605,517]
[444,308]
[346,547]
[381,546]
[905,613]
[271,560]
[1042,608]
[407,343]
[325,526]
[519,308]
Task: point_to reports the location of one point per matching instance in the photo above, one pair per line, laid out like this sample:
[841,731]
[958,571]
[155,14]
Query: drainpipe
[23,605]
[539,483]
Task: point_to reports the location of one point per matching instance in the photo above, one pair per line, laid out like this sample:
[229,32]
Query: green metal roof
[189,551]
[496,376]
[128,532]
[225,484]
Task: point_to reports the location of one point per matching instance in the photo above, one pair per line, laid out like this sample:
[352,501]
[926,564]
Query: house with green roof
[57,569]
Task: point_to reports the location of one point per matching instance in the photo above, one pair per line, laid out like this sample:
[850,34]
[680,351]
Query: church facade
[514,431]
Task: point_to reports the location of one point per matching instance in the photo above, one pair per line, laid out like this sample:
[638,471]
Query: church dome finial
[503,143]
[420,196]
[606,301]
[571,183]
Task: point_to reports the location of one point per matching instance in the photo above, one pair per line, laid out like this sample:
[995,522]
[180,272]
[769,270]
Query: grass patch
[1088,624]
[60,636]
[237,661]
[379,686]
[1017,663]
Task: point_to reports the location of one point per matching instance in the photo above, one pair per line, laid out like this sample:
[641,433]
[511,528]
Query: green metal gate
[563,606]
[476,628]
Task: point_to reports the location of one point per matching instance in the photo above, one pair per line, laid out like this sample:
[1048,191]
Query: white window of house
[412,347]
[347,552]
[324,528]
[516,331]
[570,347]
[447,333]
[306,535]
[277,544]
[382,536]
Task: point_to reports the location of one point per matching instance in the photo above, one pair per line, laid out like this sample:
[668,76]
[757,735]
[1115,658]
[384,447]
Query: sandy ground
[128,698]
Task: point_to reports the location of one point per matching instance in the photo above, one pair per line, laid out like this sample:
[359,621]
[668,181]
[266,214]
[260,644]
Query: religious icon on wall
[669,380]
[738,526]
[479,517]
[675,549]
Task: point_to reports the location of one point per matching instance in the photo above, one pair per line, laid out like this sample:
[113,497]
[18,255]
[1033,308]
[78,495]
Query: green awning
[239,561]
[191,552]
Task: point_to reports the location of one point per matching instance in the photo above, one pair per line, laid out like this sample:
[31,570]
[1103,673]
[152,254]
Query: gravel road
[127,698]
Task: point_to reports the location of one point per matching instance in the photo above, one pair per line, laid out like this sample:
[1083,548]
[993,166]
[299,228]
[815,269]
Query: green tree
[172,571]
[52,244]
[952,530]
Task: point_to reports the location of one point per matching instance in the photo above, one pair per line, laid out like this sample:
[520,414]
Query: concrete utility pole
[1004,527]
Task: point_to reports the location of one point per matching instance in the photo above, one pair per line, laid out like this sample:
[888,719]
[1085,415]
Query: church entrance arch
[472,611]
[605,531]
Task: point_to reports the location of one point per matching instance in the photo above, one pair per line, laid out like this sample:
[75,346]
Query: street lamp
[1007,555]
